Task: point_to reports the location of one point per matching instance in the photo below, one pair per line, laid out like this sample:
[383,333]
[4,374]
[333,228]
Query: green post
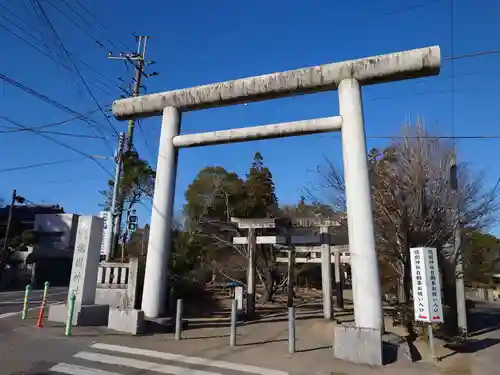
[45,291]
[25,304]
[71,309]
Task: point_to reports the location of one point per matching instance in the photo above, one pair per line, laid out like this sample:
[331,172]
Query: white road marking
[14,313]
[32,300]
[141,365]
[66,368]
[21,292]
[190,360]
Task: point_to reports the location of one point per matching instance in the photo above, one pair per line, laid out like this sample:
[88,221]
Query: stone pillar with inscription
[83,281]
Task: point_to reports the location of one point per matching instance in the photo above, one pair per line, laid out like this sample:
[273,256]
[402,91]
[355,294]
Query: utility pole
[15,198]
[114,199]
[458,255]
[137,59]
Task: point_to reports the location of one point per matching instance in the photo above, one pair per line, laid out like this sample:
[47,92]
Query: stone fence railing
[117,284]
[480,294]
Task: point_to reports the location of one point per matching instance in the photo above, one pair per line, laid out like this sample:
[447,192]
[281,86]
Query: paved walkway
[262,348]
[265,345]
[109,359]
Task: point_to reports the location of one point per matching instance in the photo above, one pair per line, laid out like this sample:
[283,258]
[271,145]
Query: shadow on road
[471,346]
[484,319]
[262,342]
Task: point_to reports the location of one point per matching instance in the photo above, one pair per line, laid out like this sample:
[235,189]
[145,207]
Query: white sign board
[426,285]
[238,296]
[107,219]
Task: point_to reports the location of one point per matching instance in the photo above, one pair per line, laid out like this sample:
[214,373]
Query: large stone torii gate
[347,77]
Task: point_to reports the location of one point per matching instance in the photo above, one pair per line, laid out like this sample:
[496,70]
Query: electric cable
[56,162]
[62,144]
[74,65]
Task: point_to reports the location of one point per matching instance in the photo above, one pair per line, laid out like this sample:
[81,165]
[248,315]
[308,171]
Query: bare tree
[413,203]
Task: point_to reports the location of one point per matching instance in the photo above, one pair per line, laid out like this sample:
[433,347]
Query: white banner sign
[426,285]
[106,233]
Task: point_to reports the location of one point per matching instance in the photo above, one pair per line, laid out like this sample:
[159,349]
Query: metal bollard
[178,320]
[71,310]
[232,332]
[25,303]
[291,330]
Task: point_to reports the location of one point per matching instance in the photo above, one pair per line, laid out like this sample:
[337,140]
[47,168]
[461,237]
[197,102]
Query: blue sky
[200,42]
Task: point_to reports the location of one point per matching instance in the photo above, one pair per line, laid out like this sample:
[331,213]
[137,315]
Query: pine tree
[262,201]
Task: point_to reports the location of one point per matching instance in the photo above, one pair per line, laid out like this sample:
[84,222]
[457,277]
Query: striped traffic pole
[71,309]
[25,303]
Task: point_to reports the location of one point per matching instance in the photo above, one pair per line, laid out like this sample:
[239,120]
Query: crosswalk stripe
[190,360]
[66,368]
[141,365]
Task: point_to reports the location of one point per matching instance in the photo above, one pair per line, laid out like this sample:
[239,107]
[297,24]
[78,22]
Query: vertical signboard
[434,285]
[83,280]
[426,285]
[106,234]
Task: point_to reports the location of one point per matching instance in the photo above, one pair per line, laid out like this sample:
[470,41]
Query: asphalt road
[11,303]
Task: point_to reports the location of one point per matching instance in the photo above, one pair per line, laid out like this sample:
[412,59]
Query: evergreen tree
[261,201]
[215,194]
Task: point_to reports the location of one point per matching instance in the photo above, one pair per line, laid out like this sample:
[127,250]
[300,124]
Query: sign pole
[431,341]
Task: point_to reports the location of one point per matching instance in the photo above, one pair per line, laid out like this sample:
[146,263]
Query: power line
[62,144]
[411,8]
[71,134]
[24,31]
[76,24]
[476,137]
[90,67]
[74,66]
[434,91]
[35,47]
[50,56]
[78,180]
[92,26]
[452,37]
[62,64]
[48,100]
[96,19]
[14,130]
[41,164]
[473,54]
[16,15]
[144,138]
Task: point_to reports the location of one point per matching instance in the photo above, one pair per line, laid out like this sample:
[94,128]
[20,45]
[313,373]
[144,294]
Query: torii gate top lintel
[397,66]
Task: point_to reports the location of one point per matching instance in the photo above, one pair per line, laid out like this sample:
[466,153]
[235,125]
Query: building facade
[53,253]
